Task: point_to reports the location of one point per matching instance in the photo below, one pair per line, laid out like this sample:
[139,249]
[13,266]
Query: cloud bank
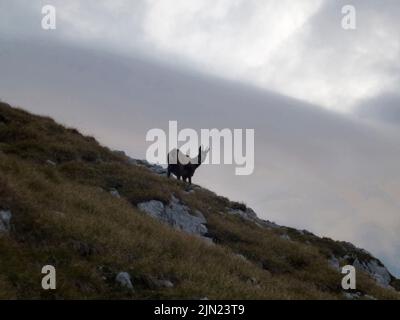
[297,48]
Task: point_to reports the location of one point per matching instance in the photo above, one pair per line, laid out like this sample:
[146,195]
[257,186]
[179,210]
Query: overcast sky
[324,101]
[297,48]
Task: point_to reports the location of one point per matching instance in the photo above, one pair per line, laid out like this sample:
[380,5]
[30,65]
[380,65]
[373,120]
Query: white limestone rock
[124,280]
[5,221]
[177,215]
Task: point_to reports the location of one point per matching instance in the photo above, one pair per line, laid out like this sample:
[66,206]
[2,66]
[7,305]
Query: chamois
[182,165]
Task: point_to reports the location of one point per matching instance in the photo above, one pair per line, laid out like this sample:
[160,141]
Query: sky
[324,101]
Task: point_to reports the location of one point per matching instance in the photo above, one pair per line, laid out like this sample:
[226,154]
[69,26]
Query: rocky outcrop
[51,163]
[250,215]
[5,221]
[143,163]
[154,208]
[123,279]
[285,236]
[153,167]
[360,258]
[162,283]
[376,270]
[114,192]
[177,215]
[363,261]
[334,263]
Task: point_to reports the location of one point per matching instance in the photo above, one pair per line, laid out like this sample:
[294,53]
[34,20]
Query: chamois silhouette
[182,165]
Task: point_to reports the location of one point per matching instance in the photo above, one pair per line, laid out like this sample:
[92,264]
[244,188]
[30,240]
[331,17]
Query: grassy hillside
[56,184]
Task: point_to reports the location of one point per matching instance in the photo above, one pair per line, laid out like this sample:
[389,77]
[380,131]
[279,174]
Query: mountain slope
[69,202]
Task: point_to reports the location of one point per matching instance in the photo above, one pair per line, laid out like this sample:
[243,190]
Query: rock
[124,280]
[59,214]
[120,153]
[176,215]
[143,163]
[252,281]
[158,169]
[352,296]
[153,208]
[349,246]
[134,161]
[153,167]
[114,192]
[5,220]
[268,224]
[164,283]
[334,263]
[250,215]
[200,215]
[241,257]
[51,163]
[305,233]
[376,270]
[153,283]
[285,236]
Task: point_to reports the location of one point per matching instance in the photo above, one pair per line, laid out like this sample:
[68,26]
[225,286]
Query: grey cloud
[343,67]
[383,108]
[319,62]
